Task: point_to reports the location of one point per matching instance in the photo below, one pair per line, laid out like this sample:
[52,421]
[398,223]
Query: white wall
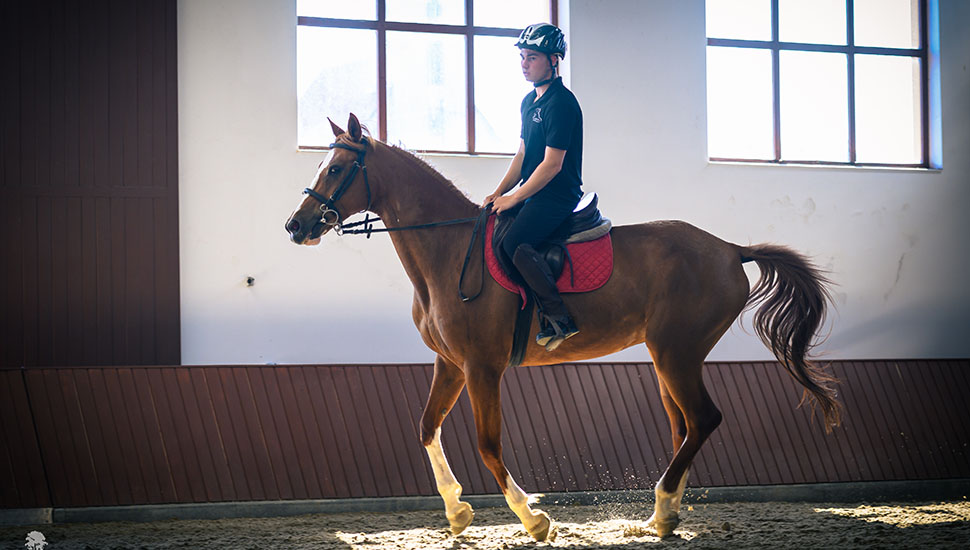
[893,239]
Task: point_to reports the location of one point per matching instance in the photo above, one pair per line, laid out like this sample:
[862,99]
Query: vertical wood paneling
[368,396]
[155,444]
[354,433]
[132,488]
[138,435]
[257,441]
[113,482]
[515,448]
[312,445]
[99,488]
[273,431]
[526,419]
[310,484]
[553,445]
[941,395]
[48,434]
[23,480]
[955,388]
[403,436]
[733,427]
[88,159]
[229,411]
[323,411]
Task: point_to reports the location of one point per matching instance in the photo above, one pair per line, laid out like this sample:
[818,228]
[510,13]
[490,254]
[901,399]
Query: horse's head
[333,194]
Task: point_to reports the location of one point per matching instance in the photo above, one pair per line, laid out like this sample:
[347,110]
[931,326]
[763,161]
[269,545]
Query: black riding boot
[555,324]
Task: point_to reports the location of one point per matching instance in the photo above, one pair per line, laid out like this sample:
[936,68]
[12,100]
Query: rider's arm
[550,166]
[512,176]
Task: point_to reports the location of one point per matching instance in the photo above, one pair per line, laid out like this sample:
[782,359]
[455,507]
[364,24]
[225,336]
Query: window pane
[499,89]
[337,9]
[322,80]
[426,90]
[887,23]
[812,21]
[517,14]
[739,19]
[814,106]
[887,110]
[739,104]
[445,12]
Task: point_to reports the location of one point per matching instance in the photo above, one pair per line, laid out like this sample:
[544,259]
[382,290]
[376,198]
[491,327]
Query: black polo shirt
[555,120]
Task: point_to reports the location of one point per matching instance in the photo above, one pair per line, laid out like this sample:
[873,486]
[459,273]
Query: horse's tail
[793,295]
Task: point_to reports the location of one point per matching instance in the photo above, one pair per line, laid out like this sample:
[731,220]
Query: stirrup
[554,332]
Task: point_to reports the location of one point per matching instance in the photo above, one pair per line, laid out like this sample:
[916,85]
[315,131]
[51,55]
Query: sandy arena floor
[929,525]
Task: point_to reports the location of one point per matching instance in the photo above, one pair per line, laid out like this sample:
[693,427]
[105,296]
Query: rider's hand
[491,198]
[501,204]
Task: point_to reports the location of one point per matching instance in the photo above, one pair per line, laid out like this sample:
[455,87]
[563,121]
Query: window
[434,75]
[819,81]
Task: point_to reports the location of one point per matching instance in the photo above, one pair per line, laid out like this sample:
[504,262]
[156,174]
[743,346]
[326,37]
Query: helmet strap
[555,73]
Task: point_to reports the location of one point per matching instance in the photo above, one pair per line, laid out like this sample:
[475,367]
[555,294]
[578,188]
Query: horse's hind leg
[446,386]
[678,432]
[684,385]
[484,391]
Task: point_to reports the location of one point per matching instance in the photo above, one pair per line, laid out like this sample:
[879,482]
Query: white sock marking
[448,486]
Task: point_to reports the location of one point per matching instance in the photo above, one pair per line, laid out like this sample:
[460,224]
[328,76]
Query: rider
[548,165]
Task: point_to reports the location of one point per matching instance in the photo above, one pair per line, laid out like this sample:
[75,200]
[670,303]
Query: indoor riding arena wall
[83,436]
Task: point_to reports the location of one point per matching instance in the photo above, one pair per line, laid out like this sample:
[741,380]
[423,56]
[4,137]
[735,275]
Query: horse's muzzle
[300,234]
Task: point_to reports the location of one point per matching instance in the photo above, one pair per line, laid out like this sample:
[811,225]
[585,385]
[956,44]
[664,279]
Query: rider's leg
[558,324]
[532,226]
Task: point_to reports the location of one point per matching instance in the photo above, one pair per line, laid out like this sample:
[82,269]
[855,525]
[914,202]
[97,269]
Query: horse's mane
[407,156]
[429,170]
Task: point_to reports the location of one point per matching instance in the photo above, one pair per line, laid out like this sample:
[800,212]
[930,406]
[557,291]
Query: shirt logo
[537,116]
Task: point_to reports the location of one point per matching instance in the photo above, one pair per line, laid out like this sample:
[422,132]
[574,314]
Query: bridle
[328,206]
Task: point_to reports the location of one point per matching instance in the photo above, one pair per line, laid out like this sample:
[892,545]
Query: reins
[480,225]
[328,206]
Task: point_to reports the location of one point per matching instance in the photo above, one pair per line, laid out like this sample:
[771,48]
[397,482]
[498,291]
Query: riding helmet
[543,37]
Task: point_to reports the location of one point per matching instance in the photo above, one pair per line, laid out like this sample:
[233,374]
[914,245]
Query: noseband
[328,205]
[328,208]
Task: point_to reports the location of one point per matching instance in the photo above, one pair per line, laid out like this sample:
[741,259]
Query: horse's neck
[410,194]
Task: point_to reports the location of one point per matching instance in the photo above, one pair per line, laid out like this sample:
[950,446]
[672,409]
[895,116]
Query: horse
[675,288]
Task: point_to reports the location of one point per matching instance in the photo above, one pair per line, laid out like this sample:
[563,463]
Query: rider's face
[535,65]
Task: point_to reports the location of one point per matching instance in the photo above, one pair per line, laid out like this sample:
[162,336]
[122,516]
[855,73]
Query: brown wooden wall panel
[23,482]
[89,183]
[135,435]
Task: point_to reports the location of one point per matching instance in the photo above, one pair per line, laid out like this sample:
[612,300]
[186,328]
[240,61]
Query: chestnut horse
[674,287]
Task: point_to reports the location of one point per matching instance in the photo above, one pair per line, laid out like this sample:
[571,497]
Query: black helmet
[544,38]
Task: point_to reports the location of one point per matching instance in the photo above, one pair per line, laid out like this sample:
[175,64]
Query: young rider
[548,165]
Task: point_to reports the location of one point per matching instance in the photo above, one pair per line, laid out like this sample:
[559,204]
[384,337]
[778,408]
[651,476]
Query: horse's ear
[353,128]
[337,130]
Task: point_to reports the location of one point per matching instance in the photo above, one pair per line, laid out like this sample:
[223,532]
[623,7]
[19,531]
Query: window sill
[830,166]
[457,154]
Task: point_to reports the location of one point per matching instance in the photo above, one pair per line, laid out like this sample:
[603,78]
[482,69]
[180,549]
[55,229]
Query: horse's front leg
[485,394]
[446,386]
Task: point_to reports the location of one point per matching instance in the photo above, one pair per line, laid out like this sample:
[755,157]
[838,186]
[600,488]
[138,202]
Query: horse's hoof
[462,519]
[663,527]
[540,529]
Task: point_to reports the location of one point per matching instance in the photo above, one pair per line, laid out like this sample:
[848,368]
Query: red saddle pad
[592,265]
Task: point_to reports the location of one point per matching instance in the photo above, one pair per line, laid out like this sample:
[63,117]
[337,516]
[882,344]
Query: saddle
[583,225]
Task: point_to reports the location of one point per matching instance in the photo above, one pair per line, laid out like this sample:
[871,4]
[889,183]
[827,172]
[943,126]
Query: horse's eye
[333,169]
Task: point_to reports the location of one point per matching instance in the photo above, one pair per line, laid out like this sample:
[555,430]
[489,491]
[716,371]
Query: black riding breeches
[534,224]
